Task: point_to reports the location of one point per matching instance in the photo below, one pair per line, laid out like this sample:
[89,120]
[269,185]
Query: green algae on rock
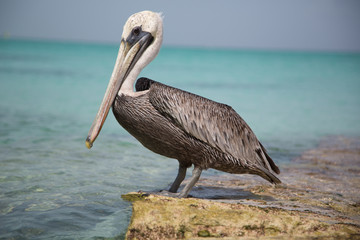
[158,217]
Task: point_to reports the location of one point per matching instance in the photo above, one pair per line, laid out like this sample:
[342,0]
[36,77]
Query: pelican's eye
[136,34]
[136,31]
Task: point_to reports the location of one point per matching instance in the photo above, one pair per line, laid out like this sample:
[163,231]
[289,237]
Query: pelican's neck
[127,87]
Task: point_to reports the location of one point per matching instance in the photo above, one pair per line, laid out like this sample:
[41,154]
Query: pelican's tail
[266,174]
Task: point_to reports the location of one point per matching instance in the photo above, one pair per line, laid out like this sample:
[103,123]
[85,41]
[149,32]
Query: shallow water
[51,186]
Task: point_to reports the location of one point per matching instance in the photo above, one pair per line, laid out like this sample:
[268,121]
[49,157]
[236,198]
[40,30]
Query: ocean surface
[53,187]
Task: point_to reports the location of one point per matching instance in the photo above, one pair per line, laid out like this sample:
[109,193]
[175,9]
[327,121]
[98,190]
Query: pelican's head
[140,43]
[141,38]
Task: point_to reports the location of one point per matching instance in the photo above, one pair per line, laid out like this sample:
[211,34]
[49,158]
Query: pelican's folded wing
[213,123]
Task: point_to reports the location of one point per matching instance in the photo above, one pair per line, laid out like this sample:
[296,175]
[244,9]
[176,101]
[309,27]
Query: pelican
[175,123]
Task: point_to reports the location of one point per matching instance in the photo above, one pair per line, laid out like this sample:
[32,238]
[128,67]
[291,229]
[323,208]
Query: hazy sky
[257,24]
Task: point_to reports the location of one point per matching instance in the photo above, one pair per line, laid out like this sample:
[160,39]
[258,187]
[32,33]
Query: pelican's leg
[180,177]
[194,178]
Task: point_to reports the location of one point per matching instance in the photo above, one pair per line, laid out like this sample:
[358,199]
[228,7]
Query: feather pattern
[215,124]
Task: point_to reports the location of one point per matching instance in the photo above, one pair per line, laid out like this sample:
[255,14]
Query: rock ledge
[319,199]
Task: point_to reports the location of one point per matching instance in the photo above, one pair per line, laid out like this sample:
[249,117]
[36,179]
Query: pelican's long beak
[129,53]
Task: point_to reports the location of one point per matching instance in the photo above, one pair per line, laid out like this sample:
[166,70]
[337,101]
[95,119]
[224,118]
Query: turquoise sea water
[52,187]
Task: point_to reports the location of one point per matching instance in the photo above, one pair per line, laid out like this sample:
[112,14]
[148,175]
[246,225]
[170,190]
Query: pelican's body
[174,123]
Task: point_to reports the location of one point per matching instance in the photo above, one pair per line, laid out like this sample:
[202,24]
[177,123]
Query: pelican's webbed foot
[169,194]
[185,191]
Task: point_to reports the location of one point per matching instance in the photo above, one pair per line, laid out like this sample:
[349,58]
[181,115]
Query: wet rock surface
[319,199]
